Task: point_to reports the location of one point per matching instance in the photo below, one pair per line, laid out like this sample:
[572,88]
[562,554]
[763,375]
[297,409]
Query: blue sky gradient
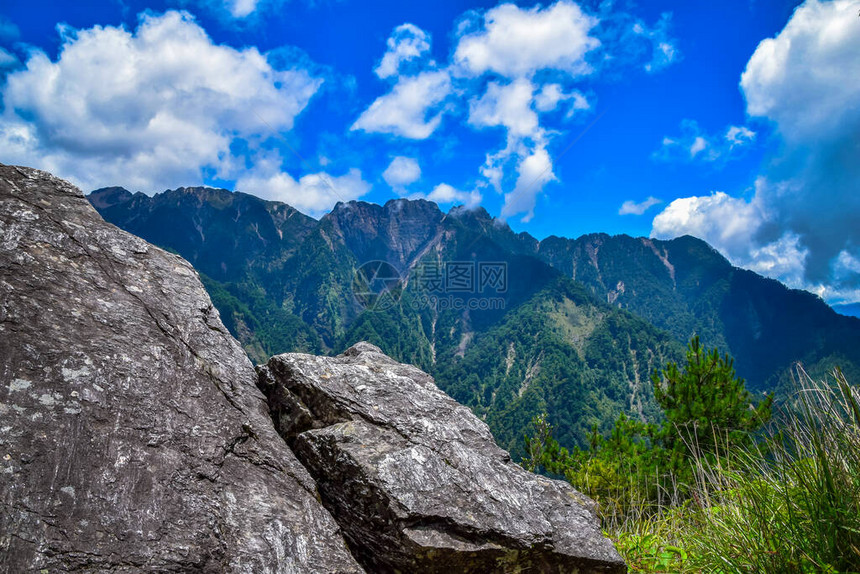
[563,118]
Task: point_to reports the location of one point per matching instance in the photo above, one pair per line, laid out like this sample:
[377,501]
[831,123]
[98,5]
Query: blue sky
[737,122]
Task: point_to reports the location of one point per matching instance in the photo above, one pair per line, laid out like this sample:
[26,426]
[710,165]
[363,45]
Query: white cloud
[784,258]
[663,50]
[514,66]
[312,194]
[731,225]
[507,105]
[510,106]
[727,223]
[695,145]
[444,193]
[699,144]
[846,263]
[533,173]
[404,111]
[739,136]
[401,172]
[241,8]
[630,207]
[664,54]
[807,78]
[148,109]
[550,95]
[540,52]
[806,82]
[407,43]
[518,42]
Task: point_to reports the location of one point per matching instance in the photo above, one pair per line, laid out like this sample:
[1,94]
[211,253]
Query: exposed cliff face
[220,232]
[134,438]
[395,232]
[415,479]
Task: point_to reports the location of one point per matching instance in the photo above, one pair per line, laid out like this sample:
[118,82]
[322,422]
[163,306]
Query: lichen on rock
[415,479]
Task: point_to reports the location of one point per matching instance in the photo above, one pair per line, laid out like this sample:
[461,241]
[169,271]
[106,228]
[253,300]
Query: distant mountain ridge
[583,323]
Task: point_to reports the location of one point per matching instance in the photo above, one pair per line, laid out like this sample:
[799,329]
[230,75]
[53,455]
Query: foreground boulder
[415,479]
[132,434]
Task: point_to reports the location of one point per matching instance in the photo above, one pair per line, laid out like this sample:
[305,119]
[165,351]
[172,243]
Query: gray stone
[132,435]
[415,479]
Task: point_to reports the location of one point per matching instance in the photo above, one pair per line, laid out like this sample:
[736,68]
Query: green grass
[788,504]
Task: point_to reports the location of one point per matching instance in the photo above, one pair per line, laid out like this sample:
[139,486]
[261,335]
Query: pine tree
[708,412]
[707,406]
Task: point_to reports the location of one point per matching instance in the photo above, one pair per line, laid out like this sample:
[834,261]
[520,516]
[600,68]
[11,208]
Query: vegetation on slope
[584,321]
[583,366]
[738,497]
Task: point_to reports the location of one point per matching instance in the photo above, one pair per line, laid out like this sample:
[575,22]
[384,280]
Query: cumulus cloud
[401,172]
[409,110]
[806,83]
[512,66]
[514,106]
[812,61]
[444,194]
[695,145]
[630,207]
[513,41]
[533,173]
[732,226]
[148,109]
[801,224]
[312,194]
[725,222]
[509,106]
[551,95]
[241,8]
[407,43]
[540,53]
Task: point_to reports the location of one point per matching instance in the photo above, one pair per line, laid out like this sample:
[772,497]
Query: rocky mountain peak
[109,196]
[393,232]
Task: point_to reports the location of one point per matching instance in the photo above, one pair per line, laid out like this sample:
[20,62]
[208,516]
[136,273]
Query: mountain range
[508,325]
[138,436]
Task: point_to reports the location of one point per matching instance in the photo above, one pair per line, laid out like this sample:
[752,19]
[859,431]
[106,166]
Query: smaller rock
[416,481]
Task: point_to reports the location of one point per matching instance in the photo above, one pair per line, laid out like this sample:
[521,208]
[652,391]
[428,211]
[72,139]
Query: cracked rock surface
[132,435]
[415,479]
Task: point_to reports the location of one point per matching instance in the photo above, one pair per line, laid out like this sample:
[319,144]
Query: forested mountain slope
[508,325]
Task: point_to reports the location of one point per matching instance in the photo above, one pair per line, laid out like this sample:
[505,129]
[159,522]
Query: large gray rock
[132,434]
[415,479]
